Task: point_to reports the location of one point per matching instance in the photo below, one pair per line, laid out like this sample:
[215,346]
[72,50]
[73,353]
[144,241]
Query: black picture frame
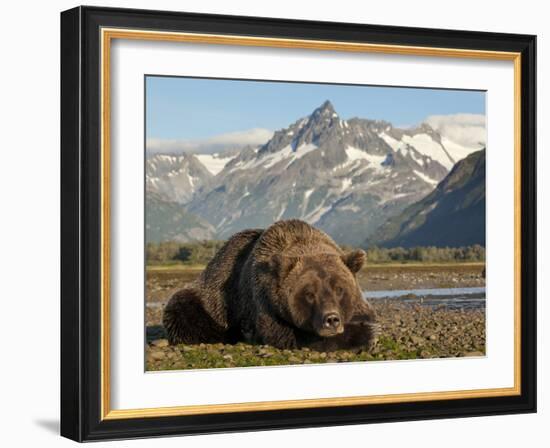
[81,224]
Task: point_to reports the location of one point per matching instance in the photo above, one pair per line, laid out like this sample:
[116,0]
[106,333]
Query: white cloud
[217,143]
[464,129]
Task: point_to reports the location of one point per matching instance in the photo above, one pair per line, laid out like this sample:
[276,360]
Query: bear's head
[320,292]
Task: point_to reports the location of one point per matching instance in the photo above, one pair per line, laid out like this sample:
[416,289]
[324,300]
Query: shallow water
[424,292]
[450,298]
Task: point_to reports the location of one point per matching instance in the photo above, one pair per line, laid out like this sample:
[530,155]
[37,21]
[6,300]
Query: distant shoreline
[405,264]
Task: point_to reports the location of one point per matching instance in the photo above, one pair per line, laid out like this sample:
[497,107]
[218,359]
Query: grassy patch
[175,267]
[210,356]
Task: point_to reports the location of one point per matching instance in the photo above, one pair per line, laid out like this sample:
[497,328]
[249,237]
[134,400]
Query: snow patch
[358,154]
[425,178]
[281,212]
[394,197]
[221,223]
[213,162]
[458,151]
[394,144]
[417,159]
[350,207]
[346,183]
[191,181]
[305,202]
[246,193]
[424,144]
[429,209]
[286,153]
[318,213]
[272,159]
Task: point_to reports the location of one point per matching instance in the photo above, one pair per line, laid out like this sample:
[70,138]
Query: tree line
[172,252]
[200,253]
[426,254]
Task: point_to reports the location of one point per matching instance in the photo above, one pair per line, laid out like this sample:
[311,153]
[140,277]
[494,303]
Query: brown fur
[289,286]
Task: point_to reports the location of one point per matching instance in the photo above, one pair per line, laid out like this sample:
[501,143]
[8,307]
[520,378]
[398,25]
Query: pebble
[157,355]
[160,343]
[475,353]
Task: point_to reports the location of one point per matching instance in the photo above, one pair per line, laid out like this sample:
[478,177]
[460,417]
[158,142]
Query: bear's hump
[293,237]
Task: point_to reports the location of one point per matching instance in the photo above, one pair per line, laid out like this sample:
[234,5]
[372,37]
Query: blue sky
[192,109]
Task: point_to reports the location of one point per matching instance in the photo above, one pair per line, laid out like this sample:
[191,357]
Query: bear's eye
[339,290]
[309,296]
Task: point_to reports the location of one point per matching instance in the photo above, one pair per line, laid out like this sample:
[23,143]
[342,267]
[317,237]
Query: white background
[131,387]
[29,232]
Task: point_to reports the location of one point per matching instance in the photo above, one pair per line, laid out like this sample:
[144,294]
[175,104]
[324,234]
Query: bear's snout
[331,320]
[331,324]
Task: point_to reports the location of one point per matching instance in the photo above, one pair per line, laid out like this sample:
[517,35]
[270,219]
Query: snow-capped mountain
[429,143]
[175,178]
[346,177]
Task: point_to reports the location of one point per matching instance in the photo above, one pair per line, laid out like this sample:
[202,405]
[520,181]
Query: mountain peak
[326,109]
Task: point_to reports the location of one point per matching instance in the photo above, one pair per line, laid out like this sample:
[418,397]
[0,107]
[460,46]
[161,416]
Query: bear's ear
[355,260]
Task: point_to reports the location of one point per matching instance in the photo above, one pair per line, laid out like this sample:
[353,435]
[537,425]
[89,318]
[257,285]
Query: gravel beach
[410,329]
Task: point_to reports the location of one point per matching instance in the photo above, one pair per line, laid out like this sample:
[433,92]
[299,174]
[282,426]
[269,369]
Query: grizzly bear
[289,286]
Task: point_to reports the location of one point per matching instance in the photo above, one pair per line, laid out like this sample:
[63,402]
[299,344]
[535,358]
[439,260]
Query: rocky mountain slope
[169,221]
[452,215]
[347,177]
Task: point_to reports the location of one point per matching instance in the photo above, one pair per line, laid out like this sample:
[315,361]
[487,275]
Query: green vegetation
[171,252]
[428,254]
[200,253]
[161,356]
[408,331]
[208,356]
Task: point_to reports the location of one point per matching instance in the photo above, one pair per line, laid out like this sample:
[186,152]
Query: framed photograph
[273,223]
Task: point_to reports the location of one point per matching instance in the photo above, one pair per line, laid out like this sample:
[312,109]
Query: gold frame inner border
[107,36]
